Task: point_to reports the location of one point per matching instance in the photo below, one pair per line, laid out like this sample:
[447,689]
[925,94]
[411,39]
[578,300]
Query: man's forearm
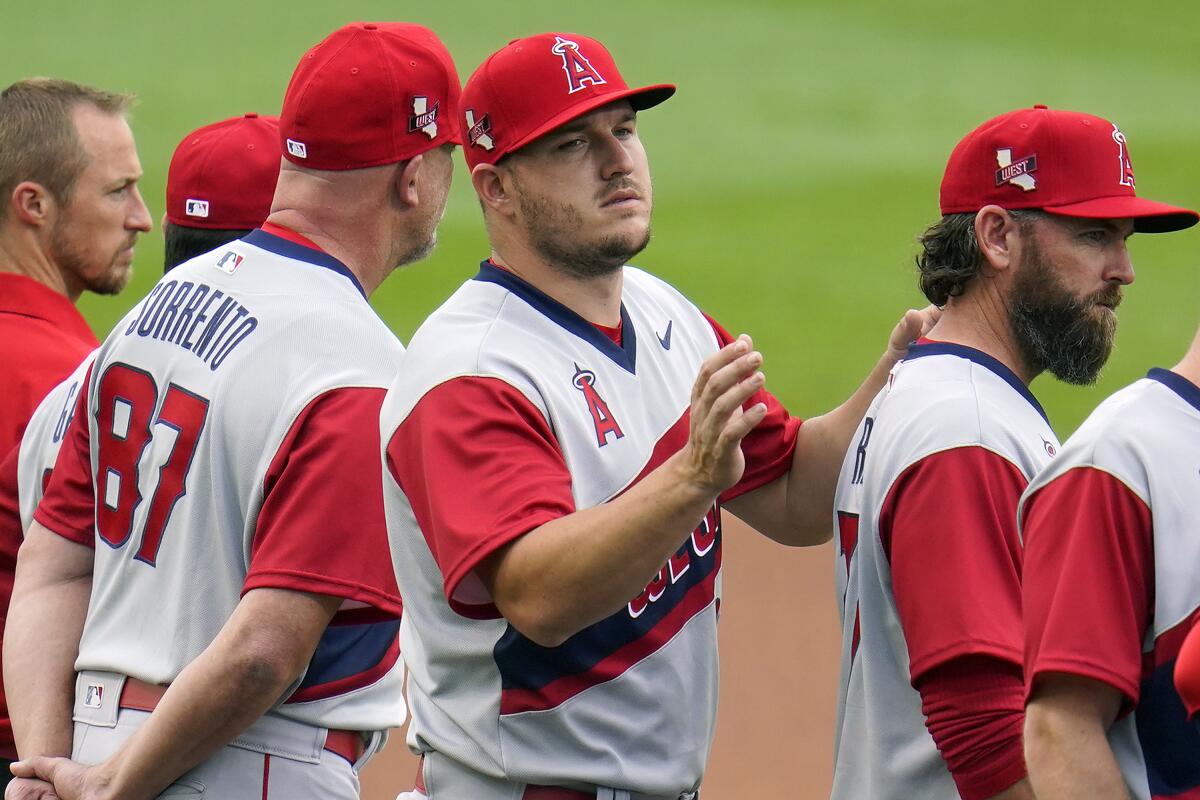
[576,570]
[41,641]
[239,677]
[1069,758]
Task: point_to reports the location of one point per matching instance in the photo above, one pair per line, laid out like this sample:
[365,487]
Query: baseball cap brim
[641,99]
[1149,216]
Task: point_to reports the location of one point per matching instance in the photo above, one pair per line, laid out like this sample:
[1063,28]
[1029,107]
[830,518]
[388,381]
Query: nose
[139,216]
[617,158]
[1120,270]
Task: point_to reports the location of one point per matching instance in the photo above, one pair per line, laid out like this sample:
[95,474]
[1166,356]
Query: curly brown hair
[950,256]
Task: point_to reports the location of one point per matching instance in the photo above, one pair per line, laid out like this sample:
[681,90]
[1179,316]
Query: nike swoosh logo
[665,339]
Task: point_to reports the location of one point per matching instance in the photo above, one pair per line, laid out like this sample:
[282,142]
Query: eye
[624,131]
[1096,236]
[572,144]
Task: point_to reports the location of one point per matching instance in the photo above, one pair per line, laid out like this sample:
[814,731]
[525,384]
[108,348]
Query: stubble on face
[72,258]
[554,233]
[1069,336]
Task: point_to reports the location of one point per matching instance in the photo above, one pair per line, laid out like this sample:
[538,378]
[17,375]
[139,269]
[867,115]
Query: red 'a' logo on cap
[580,71]
[585,381]
[1123,157]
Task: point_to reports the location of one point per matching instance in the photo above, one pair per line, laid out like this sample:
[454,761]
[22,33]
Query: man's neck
[597,300]
[20,255]
[981,321]
[369,265]
[1189,366]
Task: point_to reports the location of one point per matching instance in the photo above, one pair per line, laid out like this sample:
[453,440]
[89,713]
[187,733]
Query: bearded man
[1028,263]
[70,212]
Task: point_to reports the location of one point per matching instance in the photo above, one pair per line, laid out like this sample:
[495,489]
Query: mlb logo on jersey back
[196,208]
[93,695]
[298,149]
[229,262]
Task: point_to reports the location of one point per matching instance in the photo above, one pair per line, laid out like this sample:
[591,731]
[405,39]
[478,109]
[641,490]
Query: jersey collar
[299,252]
[623,355]
[1177,384]
[928,347]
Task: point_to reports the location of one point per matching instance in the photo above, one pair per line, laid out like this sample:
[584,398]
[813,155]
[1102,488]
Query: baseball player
[70,215]
[1112,550]
[66,153]
[1027,262]
[240,638]
[245,151]
[555,469]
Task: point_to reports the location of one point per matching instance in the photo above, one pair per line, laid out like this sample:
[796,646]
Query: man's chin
[114,280]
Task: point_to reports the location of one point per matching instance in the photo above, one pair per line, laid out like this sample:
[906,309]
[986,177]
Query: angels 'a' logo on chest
[602,417]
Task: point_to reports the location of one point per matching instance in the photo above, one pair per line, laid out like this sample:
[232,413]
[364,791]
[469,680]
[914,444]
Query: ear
[998,236]
[32,203]
[408,181]
[494,186]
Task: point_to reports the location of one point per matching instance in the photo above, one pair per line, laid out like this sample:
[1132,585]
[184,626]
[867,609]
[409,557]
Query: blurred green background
[793,170]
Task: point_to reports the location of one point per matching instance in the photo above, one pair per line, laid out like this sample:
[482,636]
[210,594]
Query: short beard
[1056,331]
[553,234]
[419,252]
[72,262]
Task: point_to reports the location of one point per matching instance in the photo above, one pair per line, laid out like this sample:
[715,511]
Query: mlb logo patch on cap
[196,208]
[297,149]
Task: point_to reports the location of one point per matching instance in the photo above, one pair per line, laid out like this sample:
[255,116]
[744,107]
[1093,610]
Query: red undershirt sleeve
[480,467]
[770,446]
[68,506]
[321,528]
[1088,587]
[948,527]
[975,711]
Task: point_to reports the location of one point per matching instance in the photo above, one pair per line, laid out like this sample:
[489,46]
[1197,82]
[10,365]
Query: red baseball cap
[370,93]
[534,85]
[1062,162]
[223,175]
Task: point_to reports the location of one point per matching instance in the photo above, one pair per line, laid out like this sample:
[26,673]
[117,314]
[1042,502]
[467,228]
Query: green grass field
[793,170]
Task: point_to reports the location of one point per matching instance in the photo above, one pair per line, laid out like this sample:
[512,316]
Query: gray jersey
[943,399]
[628,702]
[218,449]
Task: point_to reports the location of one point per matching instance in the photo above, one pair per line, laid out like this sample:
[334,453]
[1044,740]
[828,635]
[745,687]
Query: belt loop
[605,793]
[375,741]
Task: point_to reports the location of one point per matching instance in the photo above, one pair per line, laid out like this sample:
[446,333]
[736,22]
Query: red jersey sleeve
[769,447]
[481,433]
[1088,586]
[68,506]
[948,527]
[321,528]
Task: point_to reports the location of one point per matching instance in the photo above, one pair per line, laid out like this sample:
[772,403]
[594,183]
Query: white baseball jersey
[1112,571]
[511,411]
[942,454]
[227,443]
[44,436]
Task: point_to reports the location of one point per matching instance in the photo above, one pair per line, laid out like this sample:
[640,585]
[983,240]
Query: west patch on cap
[1063,162]
[536,84]
[370,94]
[223,175]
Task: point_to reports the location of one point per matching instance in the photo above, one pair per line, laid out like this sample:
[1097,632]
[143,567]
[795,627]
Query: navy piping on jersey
[623,355]
[1177,384]
[298,252]
[982,359]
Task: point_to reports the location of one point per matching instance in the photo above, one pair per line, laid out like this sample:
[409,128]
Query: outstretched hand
[727,379]
[55,778]
[912,326]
